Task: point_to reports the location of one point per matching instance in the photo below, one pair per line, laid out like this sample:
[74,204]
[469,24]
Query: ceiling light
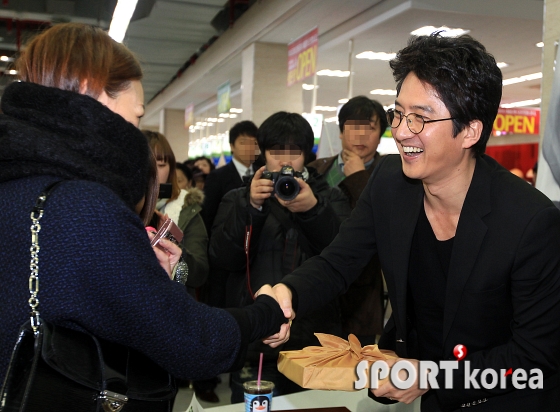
[221,120]
[4,58]
[331,119]
[212,119]
[520,79]
[232,116]
[234,110]
[501,65]
[540,44]
[384,92]
[445,31]
[306,86]
[521,103]
[12,72]
[342,101]
[325,108]
[370,55]
[333,73]
[391,106]
[223,115]
[121,17]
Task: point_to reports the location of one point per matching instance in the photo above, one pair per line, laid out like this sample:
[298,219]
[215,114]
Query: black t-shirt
[427,282]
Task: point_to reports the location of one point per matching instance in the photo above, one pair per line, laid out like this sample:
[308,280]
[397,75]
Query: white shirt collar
[241,168]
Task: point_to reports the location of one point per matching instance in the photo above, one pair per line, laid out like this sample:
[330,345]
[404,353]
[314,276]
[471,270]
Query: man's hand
[280,337]
[352,162]
[304,201]
[388,390]
[260,189]
[283,296]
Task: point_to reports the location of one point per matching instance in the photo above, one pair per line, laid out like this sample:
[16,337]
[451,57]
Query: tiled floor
[184,396]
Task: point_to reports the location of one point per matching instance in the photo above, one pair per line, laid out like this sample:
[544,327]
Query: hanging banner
[548,173]
[189,115]
[517,121]
[224,103]
[302,57]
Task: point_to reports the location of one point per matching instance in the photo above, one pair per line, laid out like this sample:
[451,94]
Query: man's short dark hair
[464,75]
[246,127]
[362,108]
[284,128]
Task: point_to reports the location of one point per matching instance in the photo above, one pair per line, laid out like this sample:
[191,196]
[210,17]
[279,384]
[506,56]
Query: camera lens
[287,188]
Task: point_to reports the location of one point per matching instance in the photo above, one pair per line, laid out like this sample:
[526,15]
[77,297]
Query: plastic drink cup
[258,398]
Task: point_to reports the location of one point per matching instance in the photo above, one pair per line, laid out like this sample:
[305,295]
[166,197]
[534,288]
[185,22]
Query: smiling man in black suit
[469,251]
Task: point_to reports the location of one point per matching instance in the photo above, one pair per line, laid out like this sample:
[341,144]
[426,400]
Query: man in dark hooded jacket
[278,232]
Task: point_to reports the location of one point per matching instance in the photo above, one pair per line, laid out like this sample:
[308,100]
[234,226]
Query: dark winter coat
[97,270]
[195,242]
[276,250]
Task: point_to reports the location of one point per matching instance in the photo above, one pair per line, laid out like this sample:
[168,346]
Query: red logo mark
[460,351]
[509,372]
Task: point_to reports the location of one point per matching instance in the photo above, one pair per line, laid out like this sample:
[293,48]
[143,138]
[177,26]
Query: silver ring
[391,399]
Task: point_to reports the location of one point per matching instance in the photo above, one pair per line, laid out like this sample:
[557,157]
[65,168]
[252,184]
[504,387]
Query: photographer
[281,235]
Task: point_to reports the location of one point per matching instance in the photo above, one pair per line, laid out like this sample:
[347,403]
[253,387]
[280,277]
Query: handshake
[283,295]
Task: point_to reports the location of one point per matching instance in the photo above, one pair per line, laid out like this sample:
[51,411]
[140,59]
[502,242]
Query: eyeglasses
[414,122]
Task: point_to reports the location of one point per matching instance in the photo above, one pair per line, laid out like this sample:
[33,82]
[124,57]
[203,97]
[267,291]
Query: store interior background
[188,48]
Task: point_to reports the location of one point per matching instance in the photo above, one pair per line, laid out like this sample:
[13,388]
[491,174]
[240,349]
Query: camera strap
[247,247]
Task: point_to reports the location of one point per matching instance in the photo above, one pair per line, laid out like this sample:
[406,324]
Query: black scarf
[49,131]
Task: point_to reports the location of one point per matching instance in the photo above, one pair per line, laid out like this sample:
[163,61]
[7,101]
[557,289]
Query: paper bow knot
[330,366]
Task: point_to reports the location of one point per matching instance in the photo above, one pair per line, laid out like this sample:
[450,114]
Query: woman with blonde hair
[73,117]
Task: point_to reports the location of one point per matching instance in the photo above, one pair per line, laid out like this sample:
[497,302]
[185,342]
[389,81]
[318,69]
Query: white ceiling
[177,29]
[509,29]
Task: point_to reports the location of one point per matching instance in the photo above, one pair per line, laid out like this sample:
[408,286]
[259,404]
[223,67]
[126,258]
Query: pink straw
[260,371]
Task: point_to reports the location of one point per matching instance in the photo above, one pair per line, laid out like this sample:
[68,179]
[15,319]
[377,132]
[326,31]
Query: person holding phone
[183,207]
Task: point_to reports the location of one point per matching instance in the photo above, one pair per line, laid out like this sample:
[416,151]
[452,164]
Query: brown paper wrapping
[331,366]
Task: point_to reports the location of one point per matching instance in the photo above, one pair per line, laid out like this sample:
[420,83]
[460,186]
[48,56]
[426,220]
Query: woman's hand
[167,252]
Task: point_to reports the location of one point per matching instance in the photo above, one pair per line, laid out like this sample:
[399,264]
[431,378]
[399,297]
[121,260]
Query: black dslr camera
[285,184]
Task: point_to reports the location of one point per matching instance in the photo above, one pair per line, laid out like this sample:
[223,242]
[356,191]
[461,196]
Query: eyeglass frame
[424,121]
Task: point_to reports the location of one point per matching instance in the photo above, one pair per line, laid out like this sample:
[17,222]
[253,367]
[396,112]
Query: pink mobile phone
[168,230]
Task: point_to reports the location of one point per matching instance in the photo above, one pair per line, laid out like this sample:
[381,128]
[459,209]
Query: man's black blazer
[217,184]
[503,288]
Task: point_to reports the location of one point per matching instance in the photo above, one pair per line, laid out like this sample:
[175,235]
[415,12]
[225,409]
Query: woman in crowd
[184,176]
[183,207]
[204,164]
[74,117]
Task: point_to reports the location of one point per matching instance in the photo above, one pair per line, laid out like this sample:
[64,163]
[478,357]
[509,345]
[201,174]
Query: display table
[354,401]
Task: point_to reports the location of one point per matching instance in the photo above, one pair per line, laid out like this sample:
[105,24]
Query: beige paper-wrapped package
[331,366]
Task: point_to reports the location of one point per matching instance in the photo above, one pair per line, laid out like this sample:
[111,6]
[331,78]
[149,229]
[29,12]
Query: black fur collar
[49,131]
